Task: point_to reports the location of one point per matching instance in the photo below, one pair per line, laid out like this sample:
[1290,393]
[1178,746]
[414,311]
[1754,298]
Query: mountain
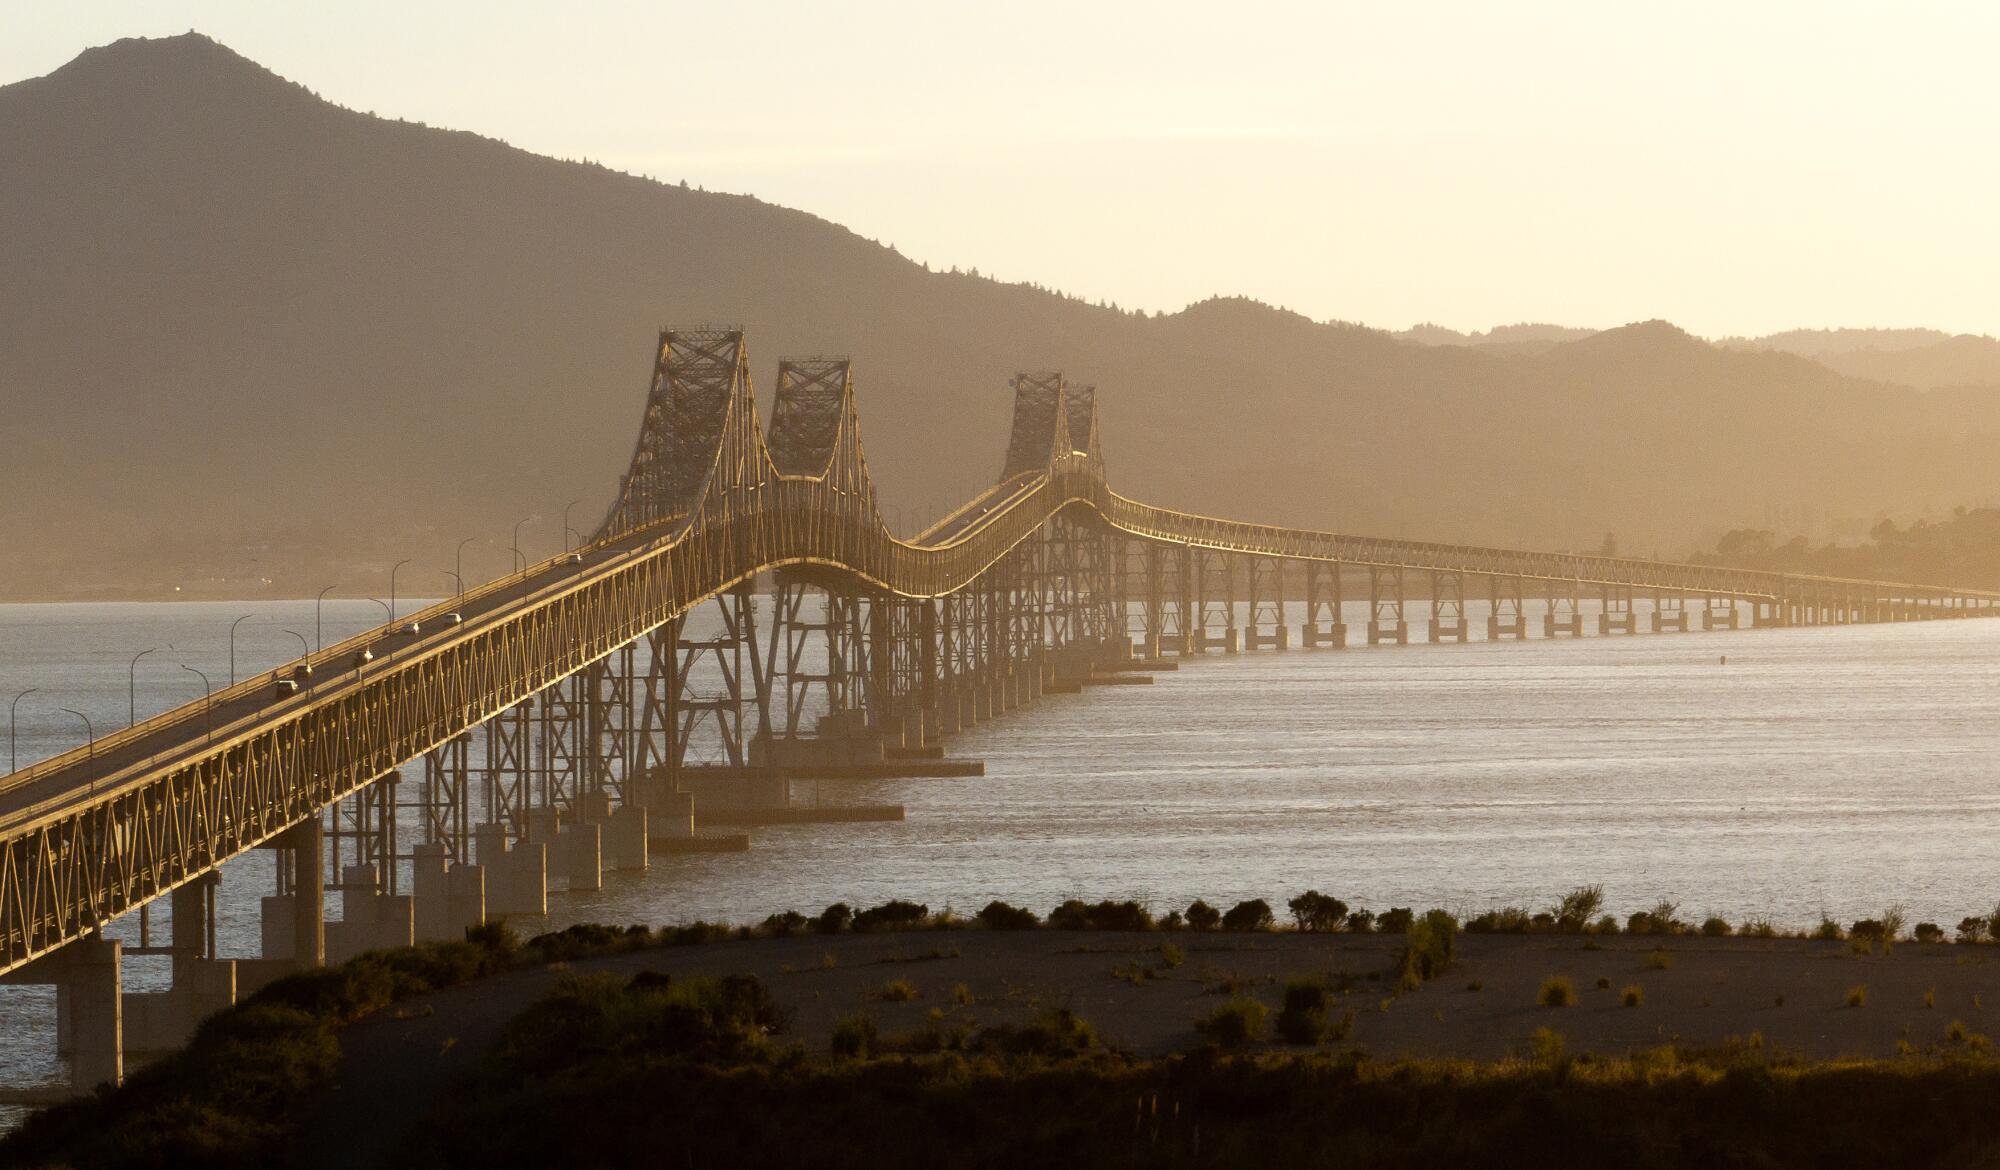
[1910,357]
[1522,338]
[257,341]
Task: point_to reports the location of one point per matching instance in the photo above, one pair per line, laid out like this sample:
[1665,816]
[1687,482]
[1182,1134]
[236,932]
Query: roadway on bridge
[181,736]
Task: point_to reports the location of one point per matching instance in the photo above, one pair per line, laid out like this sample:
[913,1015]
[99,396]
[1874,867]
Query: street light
[232,645]
[520,562]
[385,607]
[459,579]
[319,643]
[459,564]
[305,653]
[392,588]
[566,529]
[91,759]
[13,750]
[132,687]
[207,707]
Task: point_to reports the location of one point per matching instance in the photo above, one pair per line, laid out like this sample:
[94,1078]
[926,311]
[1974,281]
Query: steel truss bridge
[563,702]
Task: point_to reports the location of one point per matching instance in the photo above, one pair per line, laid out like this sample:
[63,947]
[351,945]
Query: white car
[409,628]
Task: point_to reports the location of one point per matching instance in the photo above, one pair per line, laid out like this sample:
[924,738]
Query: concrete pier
[370,918]
[90,1008]
[450,897]
[517,872]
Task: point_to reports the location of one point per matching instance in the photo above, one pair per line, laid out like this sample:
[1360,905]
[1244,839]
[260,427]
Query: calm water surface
[1833,770]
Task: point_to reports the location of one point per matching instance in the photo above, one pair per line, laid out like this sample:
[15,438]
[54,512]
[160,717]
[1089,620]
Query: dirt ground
[1697,991]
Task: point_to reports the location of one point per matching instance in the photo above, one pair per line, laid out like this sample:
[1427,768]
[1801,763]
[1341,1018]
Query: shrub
[894,914]
[1857,995]
[1315,911]
[1171,956]
[1603,984]
[1546,1046]
[853,1036]
[1252,915]
[1360,921]
[1235,1024]
[1828,929]
[1058,1033]
[1715,927]
[1633,995]
[1000,916]
[1970,929]
[1658,960]
[1395,921]
[1577,908]
[788,923]
[1557,992]
[1605,925]
[897,991]
[1757,928]
[1506,920]
[834,918]
[1126,915]
[1172,920]
[1076,914]
[1202,916]
[1928,932]
[1302,1020]
[1428,946]
[1893,920]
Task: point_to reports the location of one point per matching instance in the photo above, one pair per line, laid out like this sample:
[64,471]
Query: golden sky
[1736,168]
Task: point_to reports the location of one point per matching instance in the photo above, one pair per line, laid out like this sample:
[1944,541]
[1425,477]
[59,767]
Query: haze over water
[1836,770]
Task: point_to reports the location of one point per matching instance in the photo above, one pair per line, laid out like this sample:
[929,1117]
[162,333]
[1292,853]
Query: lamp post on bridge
[207,703]
[13,749]
[566,528]
[520,560]
[90,761]
[232,645]
[305,655]
[458,564]
[132,686]
[392,588]
[319,642]
[461,583]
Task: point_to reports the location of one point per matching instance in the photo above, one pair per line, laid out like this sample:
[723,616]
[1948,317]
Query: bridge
[576,714]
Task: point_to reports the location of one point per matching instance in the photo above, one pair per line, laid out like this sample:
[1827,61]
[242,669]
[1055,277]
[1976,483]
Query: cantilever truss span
[584,690]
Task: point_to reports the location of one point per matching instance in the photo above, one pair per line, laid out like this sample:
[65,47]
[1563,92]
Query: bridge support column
[1669,612]
[1215,624]
[1565,615]
[294,919]
[1719,613]
[160,1021]
[1266,630]
[1508,615]
[450,897]
[517,872]
[1447,606]
[1617,616]
[90,1016]
[1769,613]
[1385,606]
[370,919]
[1325,625]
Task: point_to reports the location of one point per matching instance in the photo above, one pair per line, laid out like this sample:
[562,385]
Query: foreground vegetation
[581,1078]
[234,1096]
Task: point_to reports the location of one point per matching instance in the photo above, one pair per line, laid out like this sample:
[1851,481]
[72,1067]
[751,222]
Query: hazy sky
[1734,167]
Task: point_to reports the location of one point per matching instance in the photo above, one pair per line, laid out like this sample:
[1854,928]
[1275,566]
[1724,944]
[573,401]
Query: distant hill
[1516,337]
[1911,357]
[250,335]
